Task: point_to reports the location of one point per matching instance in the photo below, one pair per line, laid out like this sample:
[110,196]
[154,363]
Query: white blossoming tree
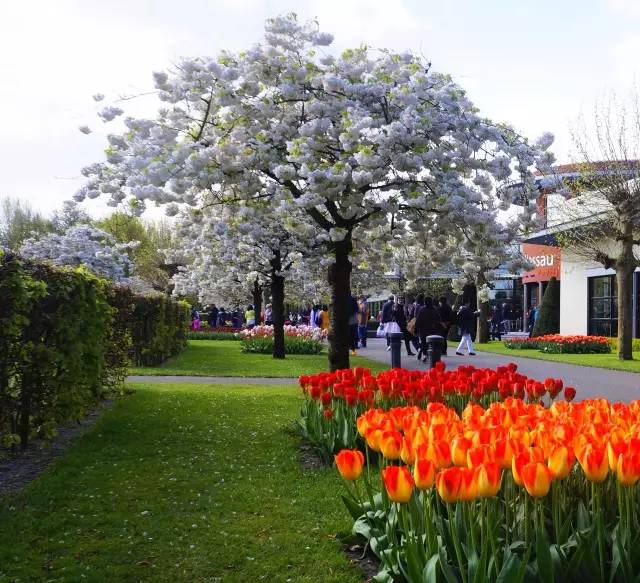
[348,139]
[246,244]
[84,245]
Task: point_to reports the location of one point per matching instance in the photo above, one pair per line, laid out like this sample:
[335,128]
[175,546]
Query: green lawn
[609,361]
[223,358]
[181,483]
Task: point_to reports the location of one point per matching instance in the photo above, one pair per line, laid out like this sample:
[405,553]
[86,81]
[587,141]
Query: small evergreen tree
[548,321]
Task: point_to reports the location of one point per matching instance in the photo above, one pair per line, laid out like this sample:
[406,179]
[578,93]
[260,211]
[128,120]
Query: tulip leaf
[430,571]
[446,569]
[353,507]
[543,558]
[510,570]
[363,528]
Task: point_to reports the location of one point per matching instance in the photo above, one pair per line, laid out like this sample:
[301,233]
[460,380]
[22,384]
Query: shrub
[218,333]
[67,339]
[548,321]
[159,328]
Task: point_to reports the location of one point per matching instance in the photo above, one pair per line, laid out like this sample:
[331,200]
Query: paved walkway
[589,381]
[211,380]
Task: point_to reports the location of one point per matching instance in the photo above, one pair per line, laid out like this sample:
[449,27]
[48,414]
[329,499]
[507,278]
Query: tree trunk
[339,278]
[625,267]
[483,318]
[257,301]
[277,306]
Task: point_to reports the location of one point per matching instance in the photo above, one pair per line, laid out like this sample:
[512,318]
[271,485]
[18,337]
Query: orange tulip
[614,449]
[424,473]
[459,448]
[398,483]
[350,463]
[408,452]
[439,453]
[595,464]
[468,485]
[536,478]
[526,456]
[373,435]
[561,462]
[628,468]
[448,484]
[488,478]
[391,444]
[503,453]
[479,455]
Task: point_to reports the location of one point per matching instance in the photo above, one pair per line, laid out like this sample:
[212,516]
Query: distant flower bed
[559,344]
[217,333]
[297,339]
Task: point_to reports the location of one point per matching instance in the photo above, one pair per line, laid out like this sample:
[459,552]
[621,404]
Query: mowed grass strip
[609,361]
[224,358]
[181,483]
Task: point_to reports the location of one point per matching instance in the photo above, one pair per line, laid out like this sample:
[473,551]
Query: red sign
[546,261]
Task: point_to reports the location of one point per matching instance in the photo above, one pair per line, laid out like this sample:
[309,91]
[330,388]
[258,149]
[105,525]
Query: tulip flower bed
[297,339]
[333,401]
[558,344]
[510,492]
[218,333]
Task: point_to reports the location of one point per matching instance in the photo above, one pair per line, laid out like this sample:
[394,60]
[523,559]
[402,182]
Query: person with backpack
[400,318]
[466,319]
[428,323]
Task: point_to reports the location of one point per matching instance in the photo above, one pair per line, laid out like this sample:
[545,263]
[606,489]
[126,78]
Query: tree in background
[19,222]
[348,140]
[604,205]
[548,320]
[147,255]
[70,215]
[84,245]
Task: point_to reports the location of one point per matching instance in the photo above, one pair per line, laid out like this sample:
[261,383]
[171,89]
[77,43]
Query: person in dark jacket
[448,318]
[386,316]
[400,318]
[428,323]
[466,318]
[412,312]
[212,318]
[496,323]
[353,324]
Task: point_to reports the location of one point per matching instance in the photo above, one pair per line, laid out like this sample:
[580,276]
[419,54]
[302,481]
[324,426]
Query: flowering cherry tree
[247,243]
[347,139]
[84,245]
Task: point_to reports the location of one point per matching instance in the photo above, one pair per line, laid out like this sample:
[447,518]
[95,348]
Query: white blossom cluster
[85,245]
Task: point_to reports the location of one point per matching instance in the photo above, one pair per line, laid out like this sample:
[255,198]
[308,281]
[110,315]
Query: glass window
[603,306]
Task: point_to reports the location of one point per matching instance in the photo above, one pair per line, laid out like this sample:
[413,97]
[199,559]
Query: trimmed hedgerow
[67,338]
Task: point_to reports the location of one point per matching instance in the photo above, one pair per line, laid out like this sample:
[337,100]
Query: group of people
[424,318]
[220,317]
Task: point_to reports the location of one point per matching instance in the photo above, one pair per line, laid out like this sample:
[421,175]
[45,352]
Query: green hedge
[159,329]
[213,336]
[67,339]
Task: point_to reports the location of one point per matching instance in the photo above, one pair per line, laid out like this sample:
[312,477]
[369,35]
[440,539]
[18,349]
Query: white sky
[532,63]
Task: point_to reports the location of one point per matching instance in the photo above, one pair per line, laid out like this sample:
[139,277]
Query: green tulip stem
[456,543]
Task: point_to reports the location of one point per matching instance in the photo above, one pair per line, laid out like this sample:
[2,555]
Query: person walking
[428,323]
[363,320]
[466,318]
[496,323]
[195,320]
[400,318]
[324,317]
[412,312]
[386,317]
[212,317]
[250,317]
[268,315]
[448,318]
[353,324]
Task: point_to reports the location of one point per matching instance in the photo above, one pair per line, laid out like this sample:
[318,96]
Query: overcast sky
[532,63]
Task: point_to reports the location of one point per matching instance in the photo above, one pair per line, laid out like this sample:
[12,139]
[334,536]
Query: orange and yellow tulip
[424,473]
[536,478]
[448,484]
[488,478]
[561,462]
[398,483]
[350,463]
